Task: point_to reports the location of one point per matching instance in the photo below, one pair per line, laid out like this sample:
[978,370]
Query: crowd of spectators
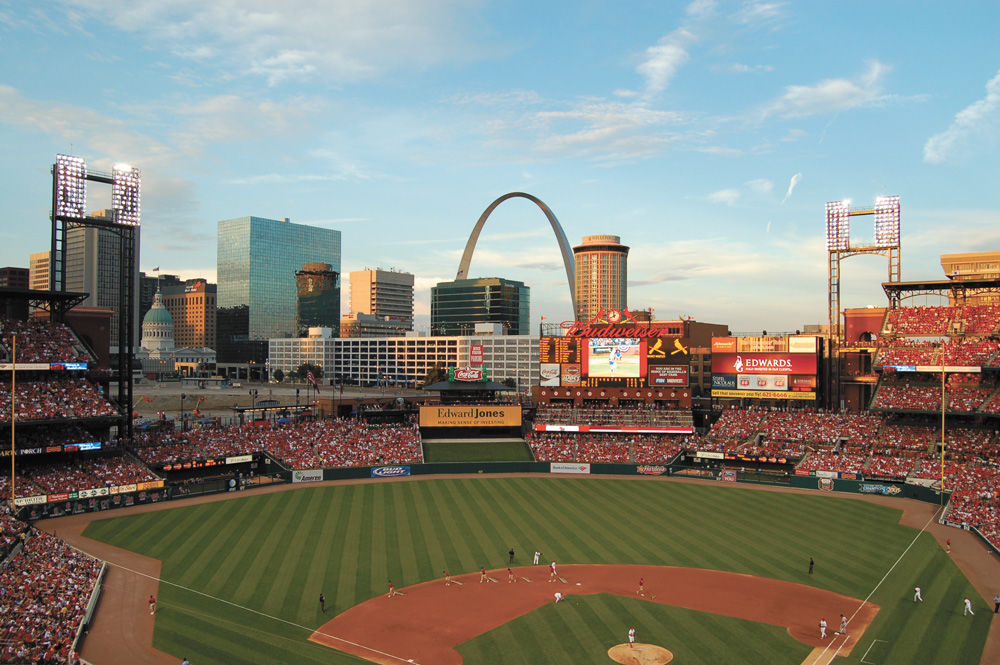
[642,416]
[41,436]
[11,532]
[78,474]
[968,351]
[980,319]
[920,320]
[902,351]
[54,399]
[45,591]
[908,396]
[808,426]
[737,424]
[312,445]
[892,468]
[828,460]
[41,342]
[895,438]
[608,448]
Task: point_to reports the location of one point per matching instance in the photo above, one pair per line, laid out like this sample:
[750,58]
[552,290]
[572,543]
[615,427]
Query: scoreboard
[559,350]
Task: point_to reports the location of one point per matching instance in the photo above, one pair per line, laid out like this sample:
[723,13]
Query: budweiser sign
[620,323]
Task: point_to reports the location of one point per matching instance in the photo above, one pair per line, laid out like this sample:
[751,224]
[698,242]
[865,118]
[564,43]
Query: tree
[435,374]
[279,376]
[510,383]
[303,371]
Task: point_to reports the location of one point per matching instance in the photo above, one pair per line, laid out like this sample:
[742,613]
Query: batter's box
[876,652]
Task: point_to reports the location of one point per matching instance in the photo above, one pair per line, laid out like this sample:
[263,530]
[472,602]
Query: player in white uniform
[558,596]
[916,595]
[537,554]
[631,637]
[968,607]
[822,629]
[843,624]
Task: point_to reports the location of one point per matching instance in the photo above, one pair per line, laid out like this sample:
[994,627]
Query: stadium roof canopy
[956,289]
[466,386]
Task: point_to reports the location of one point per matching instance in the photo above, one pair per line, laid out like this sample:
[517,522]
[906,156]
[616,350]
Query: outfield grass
[274,554]
[476,451]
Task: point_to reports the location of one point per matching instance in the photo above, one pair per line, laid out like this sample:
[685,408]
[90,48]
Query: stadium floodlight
[887,221]
[71,186]
[125,194]
[838,225]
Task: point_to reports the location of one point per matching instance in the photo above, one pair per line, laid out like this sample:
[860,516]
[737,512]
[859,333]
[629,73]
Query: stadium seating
[919,321]
[41,342]
[54,399]
[45,591]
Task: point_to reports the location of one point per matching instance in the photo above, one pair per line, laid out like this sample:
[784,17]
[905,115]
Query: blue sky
[708,135]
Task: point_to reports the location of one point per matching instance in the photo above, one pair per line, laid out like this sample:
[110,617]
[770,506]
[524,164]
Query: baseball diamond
[239,577]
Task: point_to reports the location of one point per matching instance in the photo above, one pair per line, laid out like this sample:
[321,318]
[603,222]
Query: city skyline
[708,136]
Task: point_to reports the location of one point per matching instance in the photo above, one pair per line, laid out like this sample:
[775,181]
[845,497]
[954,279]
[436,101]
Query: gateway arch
[567,252]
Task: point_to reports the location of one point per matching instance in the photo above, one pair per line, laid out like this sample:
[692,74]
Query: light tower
[838,246]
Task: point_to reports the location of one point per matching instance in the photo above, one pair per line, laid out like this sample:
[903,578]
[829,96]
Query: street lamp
[183,397]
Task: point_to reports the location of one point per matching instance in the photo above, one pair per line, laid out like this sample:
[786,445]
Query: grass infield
[477,451]
[275,553]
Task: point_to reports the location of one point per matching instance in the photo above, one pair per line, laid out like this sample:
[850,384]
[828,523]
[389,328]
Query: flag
[155,269]
[312,379]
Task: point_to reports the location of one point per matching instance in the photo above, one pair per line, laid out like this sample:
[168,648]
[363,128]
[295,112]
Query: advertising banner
[470,416]
[724,381]
[89,493]
[761,345]
[569,467]
[803,383]
[611,429]
[651,470]
[727,475]
[123,489]
[764,394]
[763,363]
[805,344]
[307,475]
[239,459]
[548,374]
[723,345]
[676,349]
[762,382]
[572,374]
[668,375]
[150,485]
[389,471]
[476,354]
[30,500]
[709,454]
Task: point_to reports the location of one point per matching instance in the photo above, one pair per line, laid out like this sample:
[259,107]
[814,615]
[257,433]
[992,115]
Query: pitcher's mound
[640,654]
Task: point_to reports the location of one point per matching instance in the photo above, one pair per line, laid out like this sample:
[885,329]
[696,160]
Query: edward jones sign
[763,363]
[486,415]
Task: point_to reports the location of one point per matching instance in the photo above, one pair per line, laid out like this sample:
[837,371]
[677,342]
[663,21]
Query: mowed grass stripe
[271,566]
[700,525]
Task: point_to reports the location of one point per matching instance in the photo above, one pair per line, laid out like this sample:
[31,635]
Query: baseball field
[240,579]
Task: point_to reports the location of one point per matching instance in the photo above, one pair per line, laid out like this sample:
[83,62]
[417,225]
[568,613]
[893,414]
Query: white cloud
[791,187]
[761,186]
[664,60]
[726,196]
[340,40]
[975,122]
[830,95]
[760,12]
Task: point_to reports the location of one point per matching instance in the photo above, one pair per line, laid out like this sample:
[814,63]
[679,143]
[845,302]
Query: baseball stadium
[833,498]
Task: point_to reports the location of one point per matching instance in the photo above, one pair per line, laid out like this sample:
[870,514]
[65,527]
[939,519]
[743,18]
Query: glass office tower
[456,307]
[257,259]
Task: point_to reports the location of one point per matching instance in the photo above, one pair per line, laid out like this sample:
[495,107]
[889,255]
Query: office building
[38,271]
[405,361]
[456,307]
[149,285]
[601,274]
[317,287]
[385,295]
[14,278]
[257,262]
[192,305]
[93,259]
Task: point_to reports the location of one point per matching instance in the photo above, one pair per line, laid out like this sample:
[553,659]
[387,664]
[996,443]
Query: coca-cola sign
[469,374]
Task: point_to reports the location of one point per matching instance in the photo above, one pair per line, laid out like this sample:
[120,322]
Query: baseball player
[631,637]
[822,629]
[558,596]
[843,625]
[392,590]
[482,575]
[322,603]
[152,605]
[510,576]
[642,587]
[968,607]
[916,595]
[537,554]
[447,578]
[552,572]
